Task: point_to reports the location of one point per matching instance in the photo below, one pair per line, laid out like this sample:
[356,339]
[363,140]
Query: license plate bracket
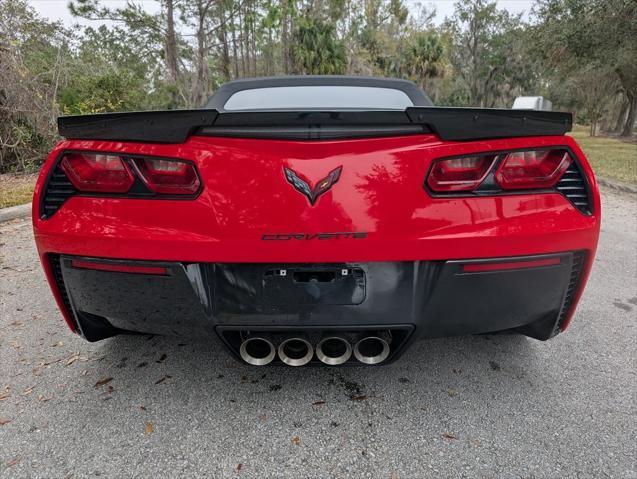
[331,284]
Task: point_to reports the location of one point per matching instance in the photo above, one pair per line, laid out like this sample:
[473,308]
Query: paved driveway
[492,407]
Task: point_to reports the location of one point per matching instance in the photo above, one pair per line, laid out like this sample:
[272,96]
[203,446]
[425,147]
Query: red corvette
[317,219]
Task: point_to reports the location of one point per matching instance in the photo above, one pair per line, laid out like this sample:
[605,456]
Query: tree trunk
[285,39]
[224,58]
[623,109]
[235,54]
[242,41]
[632,113]
[200,75]
[172,64]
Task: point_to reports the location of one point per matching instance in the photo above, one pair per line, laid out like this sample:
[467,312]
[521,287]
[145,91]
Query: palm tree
[424,55]
[316,50]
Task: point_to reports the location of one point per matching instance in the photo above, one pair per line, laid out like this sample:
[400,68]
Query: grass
[609,157]
[16,189]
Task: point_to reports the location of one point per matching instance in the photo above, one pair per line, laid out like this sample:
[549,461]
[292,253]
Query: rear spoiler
[452,124]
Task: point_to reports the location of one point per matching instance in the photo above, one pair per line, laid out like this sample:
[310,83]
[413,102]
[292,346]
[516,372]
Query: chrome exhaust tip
[257,351]
[371,350]
[333,350]
[295,351]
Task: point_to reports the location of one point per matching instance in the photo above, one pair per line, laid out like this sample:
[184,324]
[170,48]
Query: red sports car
[317,219]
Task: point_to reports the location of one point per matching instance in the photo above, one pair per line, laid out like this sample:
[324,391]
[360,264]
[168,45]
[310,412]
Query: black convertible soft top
[448,123]
[221,96]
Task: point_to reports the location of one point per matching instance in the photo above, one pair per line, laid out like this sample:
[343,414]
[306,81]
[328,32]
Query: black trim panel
[168,126]
[456,124]
[463,124]
[205,296]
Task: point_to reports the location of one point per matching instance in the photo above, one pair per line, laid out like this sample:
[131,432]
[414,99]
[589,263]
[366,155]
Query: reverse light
[532,169]
[459,174]
[169,177]
[97,173]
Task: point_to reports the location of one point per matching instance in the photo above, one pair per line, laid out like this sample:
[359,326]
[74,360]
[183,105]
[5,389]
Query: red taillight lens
[168,176]
[97,173]
[459,174]
[532,169]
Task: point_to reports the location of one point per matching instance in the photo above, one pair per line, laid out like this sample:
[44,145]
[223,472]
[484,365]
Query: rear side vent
[59,282]
[576,273]
[574,187]
[58,190]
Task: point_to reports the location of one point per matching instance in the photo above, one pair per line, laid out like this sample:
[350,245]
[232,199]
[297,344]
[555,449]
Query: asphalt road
[484,407]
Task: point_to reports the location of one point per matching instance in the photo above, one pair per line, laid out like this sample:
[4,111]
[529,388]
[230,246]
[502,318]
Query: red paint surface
[380,192]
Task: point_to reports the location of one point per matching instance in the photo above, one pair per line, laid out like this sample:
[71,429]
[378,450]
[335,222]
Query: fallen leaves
[75,357]
[159,381]
[296,440]
[451,392]
[449,436]
[4,421]
[238,467]
[358,397]
[48,363]
[43,398]
[149,428]
[318,403]
[162,358]
[475,442]
[103,381]
[13,462]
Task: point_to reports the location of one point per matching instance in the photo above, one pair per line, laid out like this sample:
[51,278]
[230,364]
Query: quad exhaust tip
[371,350]
[333,350]
[257,351]
[295,351]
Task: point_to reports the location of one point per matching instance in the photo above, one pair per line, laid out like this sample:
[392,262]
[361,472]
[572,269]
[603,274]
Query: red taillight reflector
[168,177]
[97,173]
[119,268]
[459,174]
[532,169]
[535,263]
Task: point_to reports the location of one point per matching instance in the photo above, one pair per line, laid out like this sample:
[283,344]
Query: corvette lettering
[312,236]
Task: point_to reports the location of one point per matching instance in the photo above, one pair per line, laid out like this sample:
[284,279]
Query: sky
[57,9]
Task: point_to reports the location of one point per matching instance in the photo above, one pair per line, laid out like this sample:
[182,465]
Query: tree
[484,43]
[316,50]
[32,57]
[425,54]
[573,34]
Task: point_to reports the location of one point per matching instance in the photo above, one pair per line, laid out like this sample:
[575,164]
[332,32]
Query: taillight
[514,170]
[459,174]
[531,169]
[168,176]
[97,173]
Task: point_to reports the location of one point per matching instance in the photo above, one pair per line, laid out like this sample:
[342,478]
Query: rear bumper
[532,295]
